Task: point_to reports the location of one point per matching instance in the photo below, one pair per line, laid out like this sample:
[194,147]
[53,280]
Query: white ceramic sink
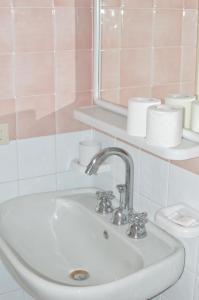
[45,237]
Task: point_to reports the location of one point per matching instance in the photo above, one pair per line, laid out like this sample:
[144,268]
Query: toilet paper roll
[87,149]
[137,115]
[164,125]
[195,116]
[183,101]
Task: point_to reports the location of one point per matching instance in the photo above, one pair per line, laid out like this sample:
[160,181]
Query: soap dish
[179,220]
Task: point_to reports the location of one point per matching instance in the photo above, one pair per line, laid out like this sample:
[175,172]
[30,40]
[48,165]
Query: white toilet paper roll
[183,101]
[164,125]
[195,116]
[137,115]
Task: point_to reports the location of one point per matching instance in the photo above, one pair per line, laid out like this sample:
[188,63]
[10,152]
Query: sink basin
[58,248]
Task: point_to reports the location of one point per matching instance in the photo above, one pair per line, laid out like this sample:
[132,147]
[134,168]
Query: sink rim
[15,265]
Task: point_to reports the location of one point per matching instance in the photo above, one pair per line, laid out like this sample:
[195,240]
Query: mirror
[145,49]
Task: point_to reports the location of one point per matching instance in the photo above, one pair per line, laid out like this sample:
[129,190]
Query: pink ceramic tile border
[45,55]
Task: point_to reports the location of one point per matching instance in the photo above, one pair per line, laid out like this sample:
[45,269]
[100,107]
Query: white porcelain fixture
[46,240]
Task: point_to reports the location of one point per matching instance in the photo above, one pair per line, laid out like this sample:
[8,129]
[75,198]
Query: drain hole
[79,275]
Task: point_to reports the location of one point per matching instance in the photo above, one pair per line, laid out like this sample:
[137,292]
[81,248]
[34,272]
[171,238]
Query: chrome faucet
[101,156]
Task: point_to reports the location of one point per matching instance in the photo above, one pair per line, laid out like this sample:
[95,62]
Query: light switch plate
[4,134]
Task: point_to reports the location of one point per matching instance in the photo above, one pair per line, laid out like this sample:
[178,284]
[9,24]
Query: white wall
[42,164]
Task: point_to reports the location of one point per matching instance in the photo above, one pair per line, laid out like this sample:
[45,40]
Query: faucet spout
[101,156]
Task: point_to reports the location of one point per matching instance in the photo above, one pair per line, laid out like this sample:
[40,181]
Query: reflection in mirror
[148,48]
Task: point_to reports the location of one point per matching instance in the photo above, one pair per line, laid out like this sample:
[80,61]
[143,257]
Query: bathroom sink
[58,248]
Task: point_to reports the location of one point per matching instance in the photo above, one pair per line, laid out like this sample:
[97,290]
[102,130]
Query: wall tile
[33,29]
[183,187]
[161,91]
[110,68]
[65,105]
[183,289]
[5,30]
[138,3]
[8,116]
[111,3]
[112,95]
[188,88]
[17,295]
[6,79]
[71,180]
[35,116]
[189,27]
[164,58]
[168,3]
[142,204]
[8,162]
[37,162]
[137,28]
[67,148]
[7,283]
[85,3]
[154,176]
[34,74]
[127,93]
[65,72]
[37,185]
[191,4]
[83,70]
[65,22]
[8,190]
[191,250]
[33,3]
[83,28]
[168,25]
[191,165]
[5,3]
[188,63]
[133,62]
[64,2]
[196,290]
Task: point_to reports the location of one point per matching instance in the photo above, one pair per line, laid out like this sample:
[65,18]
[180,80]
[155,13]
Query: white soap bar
[183,220]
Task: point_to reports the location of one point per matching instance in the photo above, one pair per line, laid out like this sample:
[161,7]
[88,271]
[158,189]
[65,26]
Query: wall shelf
[115,125]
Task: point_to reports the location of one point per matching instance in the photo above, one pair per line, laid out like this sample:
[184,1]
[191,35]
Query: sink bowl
[58,248]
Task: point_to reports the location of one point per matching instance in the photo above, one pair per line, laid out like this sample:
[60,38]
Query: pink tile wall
[155,44]
[45,64]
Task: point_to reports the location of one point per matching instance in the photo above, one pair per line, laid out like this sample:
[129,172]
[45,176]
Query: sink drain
[79,275]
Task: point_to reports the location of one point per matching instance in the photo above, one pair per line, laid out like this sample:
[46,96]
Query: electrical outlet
[4,134]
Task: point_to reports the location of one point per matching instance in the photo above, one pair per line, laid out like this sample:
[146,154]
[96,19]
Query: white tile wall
[37,185]
[183,187]
[8,162]
[8,190]
[7,283]
[43,164]
[67,148]
[17,295]
[36,157]
[154,178]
